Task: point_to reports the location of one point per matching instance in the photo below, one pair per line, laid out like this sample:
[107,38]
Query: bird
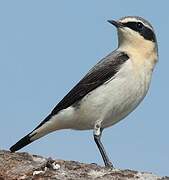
[110,90]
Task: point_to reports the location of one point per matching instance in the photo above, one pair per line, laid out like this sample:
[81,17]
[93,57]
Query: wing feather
[99,74]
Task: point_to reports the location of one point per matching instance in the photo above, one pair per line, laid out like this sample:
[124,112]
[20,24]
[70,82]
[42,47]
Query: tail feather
[21,143]
[31,136]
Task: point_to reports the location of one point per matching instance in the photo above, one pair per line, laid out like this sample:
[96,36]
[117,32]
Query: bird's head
[135,34]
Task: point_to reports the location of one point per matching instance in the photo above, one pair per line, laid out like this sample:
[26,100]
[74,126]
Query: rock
[20,166]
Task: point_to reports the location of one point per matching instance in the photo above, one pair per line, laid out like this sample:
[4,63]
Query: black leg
[97,137]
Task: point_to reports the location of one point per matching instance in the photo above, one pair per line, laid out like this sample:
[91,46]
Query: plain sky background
[45,49]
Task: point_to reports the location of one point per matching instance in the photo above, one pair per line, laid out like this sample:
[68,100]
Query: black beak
[116,23]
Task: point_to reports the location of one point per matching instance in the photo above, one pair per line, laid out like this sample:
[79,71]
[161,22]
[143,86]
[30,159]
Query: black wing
[102,72]
[99,74]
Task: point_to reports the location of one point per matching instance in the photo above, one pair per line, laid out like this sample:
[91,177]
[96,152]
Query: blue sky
[47,47]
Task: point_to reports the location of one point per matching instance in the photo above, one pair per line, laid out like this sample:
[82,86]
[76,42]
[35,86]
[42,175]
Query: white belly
[111,102]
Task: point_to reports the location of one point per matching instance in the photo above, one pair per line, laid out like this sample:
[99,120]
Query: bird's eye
[139,25]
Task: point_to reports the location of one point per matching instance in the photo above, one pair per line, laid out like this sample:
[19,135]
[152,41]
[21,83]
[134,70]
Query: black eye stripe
[146,32]
[131,25]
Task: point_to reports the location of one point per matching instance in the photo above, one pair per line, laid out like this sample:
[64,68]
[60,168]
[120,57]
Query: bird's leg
[97,137]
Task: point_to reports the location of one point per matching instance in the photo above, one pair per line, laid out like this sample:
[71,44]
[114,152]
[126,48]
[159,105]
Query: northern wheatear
[110,90]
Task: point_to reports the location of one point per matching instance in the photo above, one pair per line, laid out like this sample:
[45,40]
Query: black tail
[21,143]
[27,139]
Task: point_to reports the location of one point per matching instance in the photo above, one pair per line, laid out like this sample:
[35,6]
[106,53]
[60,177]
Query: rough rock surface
[20,166]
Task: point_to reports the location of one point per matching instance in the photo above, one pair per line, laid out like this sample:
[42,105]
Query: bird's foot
[109,165]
